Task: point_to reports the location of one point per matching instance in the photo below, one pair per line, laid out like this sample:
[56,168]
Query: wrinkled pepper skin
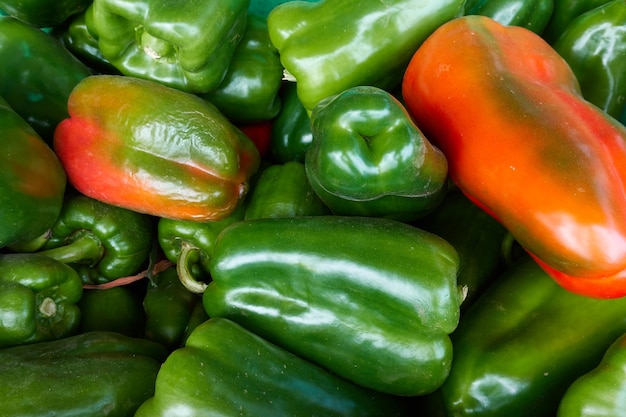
[89,375]
[225,370]
[38,297]
[523,144]
[368,158]
[187,45]
[32,180]
[594,46]
[600,392]
[291,131]
[43,13]
[41,76]
[531,14]
[317,41]
[167,154]
[113,241]
[371,300]
[523,342]
[564,12]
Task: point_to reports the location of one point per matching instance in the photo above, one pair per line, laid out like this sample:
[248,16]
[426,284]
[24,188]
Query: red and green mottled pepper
[153,149]
[368,158]
[523,143]
[372,300]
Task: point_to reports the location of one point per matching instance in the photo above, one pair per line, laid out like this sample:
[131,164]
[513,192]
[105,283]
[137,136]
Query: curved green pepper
[372,300]
[330,46]
[225,370]
[531,14]
[112,240]
[564,12]
[291,131]
[32,180]
[116,309]
[523,342]
[594,46]
[181,44]
[249,91]
[368,157]
[43,13]
[89,375]
[38,297]
[600,392]
[41,76]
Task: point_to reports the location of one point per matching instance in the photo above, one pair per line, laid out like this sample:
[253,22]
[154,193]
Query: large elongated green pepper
[520,345]
[38,297]
[594,46]
[330,46]
[531,14]
[372,300]
[225,370]
[88,375]
[183,44]
[32,180]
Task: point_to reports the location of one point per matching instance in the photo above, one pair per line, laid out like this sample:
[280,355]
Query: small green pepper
[291,131]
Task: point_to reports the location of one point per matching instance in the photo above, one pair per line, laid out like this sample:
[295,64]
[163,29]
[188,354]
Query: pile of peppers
[313,208]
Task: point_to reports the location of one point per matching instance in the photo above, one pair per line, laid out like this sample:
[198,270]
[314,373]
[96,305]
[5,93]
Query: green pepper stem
[188,256]
[84,248]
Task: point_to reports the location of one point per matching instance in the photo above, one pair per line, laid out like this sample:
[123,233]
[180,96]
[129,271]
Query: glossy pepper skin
[113,241]
[594,46]
[564,12]
[167,154]
[531,14]
[523,342]
[291,130]
[330,46]
[38,297]
[187,45]
[88,375]
[249,91]
[600,392]
[41,76]
[368,158]
[43,13]
[547,164]
[225,370]
[32,180]
[372,300]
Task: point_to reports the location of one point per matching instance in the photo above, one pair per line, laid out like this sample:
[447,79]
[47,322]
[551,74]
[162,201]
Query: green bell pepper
[32,180]
[113,241]
[600,392]
[41,76]
[330,46]
[291,131]
[225,370]
[594,46]
[87,375]
[531,14]
[564,12]
[43,13]
[249,91]
[523,342]
[368,157]
[283,190]
[38,297]
[171,311]
[117,309]
[187,45]
[371,300]
[262,8]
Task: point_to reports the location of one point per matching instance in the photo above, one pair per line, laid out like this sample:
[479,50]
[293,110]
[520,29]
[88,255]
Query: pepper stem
[83,248]
[188,256]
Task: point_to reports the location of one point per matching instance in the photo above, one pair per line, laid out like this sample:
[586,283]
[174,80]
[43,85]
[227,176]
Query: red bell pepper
[524,145]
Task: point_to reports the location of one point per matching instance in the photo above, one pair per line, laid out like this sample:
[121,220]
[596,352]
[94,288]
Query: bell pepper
[32,180]
[262,8]
[371,300]
[167,154]
[113,241]
[43,13]
[291,130]
[523,144]
[368,158]
[225,370]
[330,46]
[181,44]
[594,46]
[117,309]
[171,311]
[523,342]
[531,14]
[564,12]
[38,297]
[249,91]
[600,392]
[88,375]
[283,190]
[41,76]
